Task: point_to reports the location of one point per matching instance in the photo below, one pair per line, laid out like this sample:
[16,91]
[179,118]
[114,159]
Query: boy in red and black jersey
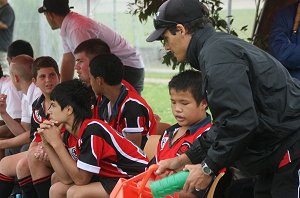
[103,154]
[122,108]
[189,109]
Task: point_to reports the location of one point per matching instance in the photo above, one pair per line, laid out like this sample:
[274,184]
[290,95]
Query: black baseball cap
[55,6]
[173,12]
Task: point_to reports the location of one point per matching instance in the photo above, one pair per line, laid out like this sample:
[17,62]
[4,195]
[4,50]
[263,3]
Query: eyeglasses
[159,23]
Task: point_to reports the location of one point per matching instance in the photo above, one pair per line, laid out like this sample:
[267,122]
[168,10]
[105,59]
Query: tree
[147,8]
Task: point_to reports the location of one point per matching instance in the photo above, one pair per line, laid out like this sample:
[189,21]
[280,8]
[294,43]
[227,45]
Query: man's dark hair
[109,67]
[76,94]
[92,48]
[189,80]
[192,26]
[19,47]
[44,62]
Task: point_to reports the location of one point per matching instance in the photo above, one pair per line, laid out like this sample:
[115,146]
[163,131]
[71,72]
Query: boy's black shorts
[108,183]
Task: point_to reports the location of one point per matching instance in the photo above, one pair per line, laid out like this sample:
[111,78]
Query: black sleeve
[231,103]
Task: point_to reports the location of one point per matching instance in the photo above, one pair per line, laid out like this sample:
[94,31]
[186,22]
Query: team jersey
[70,143]
[166,149]
[130,114]
[37,117]
[103,151]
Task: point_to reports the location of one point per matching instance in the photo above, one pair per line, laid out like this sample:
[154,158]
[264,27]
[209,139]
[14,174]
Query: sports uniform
[130,114]
[166,149]
[104,152]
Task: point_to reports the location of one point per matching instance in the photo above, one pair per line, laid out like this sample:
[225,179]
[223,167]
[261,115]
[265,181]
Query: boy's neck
[113,93]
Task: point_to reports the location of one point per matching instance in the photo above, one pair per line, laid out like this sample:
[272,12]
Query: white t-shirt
[14,97]
[32,94]
[77,28]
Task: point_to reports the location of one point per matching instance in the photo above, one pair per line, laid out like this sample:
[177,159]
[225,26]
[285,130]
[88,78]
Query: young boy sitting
[189,109]
[104,156]
[45,74]
[122,108]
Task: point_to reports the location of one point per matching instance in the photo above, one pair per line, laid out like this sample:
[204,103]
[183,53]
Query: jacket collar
[197,41]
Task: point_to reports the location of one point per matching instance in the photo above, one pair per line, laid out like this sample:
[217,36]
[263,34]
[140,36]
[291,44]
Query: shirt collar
[193,129]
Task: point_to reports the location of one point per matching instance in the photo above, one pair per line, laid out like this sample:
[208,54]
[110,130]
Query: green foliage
[147,8]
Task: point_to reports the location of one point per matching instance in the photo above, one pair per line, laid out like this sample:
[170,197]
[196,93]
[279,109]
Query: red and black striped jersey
[130,114]
[101,150]
[166,149]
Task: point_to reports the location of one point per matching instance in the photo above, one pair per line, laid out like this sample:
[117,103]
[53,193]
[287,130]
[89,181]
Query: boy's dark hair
[43,62]
[19,47]
[109,67]
[189,80]
[76,94]
[92,48]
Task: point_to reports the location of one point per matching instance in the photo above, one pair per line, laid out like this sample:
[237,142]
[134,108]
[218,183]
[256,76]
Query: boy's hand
[50,132]
[40,153]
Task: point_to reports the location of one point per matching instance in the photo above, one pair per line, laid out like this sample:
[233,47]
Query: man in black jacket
[254,102]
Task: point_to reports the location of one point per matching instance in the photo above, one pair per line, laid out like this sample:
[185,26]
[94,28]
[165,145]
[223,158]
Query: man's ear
[181,29]
[34,80]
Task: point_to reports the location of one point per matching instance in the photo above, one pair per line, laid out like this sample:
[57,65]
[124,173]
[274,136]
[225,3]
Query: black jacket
[254,102]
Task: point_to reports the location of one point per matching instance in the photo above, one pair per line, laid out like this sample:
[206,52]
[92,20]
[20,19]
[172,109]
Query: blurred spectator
[7,20]
[76,28]
[284,41]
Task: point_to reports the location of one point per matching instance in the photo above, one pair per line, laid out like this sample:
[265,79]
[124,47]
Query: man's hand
[196,180]
[169,166]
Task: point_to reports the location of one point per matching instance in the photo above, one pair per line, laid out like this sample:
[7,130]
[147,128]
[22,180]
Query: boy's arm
[15,141]
[52,135]
[15,127]
[56,164]
[136,120]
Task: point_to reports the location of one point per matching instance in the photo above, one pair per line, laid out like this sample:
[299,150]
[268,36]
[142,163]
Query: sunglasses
[159,23]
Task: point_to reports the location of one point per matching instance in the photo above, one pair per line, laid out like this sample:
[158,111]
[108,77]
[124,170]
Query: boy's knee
[73,192]
[22,168]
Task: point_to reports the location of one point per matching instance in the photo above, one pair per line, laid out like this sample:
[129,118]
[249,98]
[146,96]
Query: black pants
[284,183]
[135,77]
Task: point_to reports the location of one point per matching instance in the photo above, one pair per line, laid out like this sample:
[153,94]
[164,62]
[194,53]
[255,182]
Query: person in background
[253,100]
[284,39]
[7,21]
[75,28]
[124,110]
[46,77]
[21,77]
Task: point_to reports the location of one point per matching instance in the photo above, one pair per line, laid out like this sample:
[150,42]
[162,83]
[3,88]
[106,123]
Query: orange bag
[130,188]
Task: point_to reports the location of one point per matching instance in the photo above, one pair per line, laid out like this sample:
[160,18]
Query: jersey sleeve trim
[133,130]
[87,167]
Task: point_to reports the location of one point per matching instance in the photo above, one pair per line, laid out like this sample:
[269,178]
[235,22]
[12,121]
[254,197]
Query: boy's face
[56,113]
[46,80]
[185,108]
[82,66]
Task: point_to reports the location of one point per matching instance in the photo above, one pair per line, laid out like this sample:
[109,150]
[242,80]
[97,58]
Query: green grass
[157,96]
[159,75]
